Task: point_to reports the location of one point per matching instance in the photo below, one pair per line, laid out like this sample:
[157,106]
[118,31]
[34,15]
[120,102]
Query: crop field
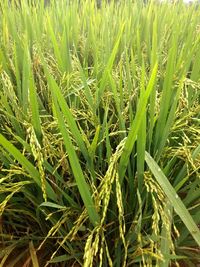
[99,133]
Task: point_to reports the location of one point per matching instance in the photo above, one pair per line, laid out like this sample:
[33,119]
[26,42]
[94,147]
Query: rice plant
[99,133]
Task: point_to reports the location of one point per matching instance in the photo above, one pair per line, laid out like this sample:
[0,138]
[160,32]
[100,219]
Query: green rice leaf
[76,168]
[175,200]
[27,165]
[132,135]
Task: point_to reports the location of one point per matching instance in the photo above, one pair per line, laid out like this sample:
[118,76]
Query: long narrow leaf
[76,168]
[28,166]
[171,194]
[132,136]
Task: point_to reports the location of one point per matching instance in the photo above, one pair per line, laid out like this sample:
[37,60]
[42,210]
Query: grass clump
[99,133]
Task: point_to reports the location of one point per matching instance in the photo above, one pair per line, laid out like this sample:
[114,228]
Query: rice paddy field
[99,134]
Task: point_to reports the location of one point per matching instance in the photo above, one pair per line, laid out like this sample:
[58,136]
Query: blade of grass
[76,168]
[132,135]
[141,139]
[174,199]
[68,116]
[33,254]
[108,67]
[35,118]
[8,146]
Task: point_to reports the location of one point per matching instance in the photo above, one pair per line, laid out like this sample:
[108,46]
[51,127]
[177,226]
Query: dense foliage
[99,133]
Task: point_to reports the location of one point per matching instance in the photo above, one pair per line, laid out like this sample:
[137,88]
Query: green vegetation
[99,134]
